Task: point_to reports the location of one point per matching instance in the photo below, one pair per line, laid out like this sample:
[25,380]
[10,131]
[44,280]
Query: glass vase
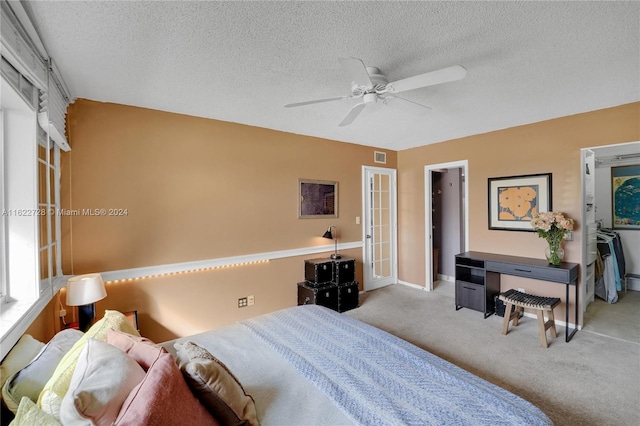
[554,253]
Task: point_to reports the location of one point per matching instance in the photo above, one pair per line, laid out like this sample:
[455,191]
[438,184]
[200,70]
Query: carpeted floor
[592,380]
[620,320]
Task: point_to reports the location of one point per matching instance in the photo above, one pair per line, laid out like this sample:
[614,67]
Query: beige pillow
[51,396]
[29,414]
[103,378]
[20,355]
[216,387]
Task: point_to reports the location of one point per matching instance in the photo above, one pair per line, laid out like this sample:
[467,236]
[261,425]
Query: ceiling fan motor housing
[370,98]
[376,76]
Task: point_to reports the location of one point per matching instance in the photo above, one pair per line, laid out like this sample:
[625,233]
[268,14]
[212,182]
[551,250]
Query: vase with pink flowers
[552,226]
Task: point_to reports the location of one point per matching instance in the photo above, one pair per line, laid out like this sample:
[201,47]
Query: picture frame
[513,200]
[625,187]
[317,199]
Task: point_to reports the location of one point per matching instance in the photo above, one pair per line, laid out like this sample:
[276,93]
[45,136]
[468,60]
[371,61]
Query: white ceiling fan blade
[355,111]
[444,75]
[317,101]
[406,105]
[356,71]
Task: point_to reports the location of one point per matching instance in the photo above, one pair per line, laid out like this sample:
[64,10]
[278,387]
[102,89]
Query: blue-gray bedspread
[379,379]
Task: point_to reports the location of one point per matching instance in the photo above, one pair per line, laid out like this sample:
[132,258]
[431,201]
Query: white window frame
[25,294]
[27,66]
[3,240]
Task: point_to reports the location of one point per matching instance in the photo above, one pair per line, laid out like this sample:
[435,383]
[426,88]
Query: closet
[600,235]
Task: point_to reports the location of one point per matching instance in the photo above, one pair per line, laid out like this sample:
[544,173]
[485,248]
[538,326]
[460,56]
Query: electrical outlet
[63,313]
[242,302]
[251,300]
[568,236]
[521,290]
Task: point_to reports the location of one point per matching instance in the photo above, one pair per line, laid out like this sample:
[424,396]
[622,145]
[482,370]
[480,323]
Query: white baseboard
[557,321]
[416,286]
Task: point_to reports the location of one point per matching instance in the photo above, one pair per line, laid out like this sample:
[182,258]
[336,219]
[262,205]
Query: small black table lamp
[83,291]
[330,236]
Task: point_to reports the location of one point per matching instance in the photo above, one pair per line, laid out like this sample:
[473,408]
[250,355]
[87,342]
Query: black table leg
[568,335]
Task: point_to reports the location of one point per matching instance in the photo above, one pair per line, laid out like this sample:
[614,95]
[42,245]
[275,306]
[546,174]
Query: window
[20,194]
[29,202]
[48,208]
[30,267]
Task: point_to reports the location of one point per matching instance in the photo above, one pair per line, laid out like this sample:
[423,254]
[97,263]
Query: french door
[379,228]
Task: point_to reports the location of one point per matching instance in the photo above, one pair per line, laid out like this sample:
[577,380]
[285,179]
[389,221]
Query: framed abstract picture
[317,199]
[514,200]
[625,197]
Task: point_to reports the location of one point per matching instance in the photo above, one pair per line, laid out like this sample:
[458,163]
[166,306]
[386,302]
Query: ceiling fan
[372,86]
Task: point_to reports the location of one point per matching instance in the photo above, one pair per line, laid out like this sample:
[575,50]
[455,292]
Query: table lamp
[330,236]
[83,291]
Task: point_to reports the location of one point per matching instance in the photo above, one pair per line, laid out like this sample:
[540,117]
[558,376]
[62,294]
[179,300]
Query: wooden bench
[542,305]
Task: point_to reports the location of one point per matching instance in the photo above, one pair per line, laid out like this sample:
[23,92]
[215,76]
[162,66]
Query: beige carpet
[592,380]
[620,320]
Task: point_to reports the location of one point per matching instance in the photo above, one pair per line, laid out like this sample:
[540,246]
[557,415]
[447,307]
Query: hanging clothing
[612,256]
[605,286]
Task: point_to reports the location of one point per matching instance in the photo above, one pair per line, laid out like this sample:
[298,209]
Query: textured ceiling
[243,61]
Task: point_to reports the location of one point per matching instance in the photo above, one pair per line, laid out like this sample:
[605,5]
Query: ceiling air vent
[380,157]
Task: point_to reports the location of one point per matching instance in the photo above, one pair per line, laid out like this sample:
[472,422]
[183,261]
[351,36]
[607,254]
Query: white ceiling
[243,61]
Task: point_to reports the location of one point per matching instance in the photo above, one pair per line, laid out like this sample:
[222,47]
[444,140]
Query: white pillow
[104,377]
[51,396]
[31,379]
[19,356]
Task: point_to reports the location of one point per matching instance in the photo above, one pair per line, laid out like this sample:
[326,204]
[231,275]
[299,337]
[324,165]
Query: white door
[589,227]
[380,261]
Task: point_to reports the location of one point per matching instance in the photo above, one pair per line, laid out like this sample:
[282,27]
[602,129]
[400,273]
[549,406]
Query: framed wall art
[317,199]
[625,197]
[514,200]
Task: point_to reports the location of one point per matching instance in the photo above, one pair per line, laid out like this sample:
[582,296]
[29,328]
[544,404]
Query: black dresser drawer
[530,271]
[470,295]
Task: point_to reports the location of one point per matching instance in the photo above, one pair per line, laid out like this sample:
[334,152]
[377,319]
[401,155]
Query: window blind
[52,115]
[19,49]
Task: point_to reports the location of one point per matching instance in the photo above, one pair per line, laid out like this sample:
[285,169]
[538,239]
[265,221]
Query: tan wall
[547,147]
[197,189]
[45,325]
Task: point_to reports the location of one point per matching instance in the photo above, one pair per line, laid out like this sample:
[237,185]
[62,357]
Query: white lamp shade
[85,289]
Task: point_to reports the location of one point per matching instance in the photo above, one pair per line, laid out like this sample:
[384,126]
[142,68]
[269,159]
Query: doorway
[446,219]
[379,227]
[612,316]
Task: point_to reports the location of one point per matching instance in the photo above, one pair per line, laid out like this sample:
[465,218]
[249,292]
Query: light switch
[357,220]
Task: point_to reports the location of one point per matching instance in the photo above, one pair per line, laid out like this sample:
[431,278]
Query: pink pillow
[143,350]
[163,397]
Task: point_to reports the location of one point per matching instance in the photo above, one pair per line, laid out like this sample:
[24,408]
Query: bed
[310,365]
[306,365]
